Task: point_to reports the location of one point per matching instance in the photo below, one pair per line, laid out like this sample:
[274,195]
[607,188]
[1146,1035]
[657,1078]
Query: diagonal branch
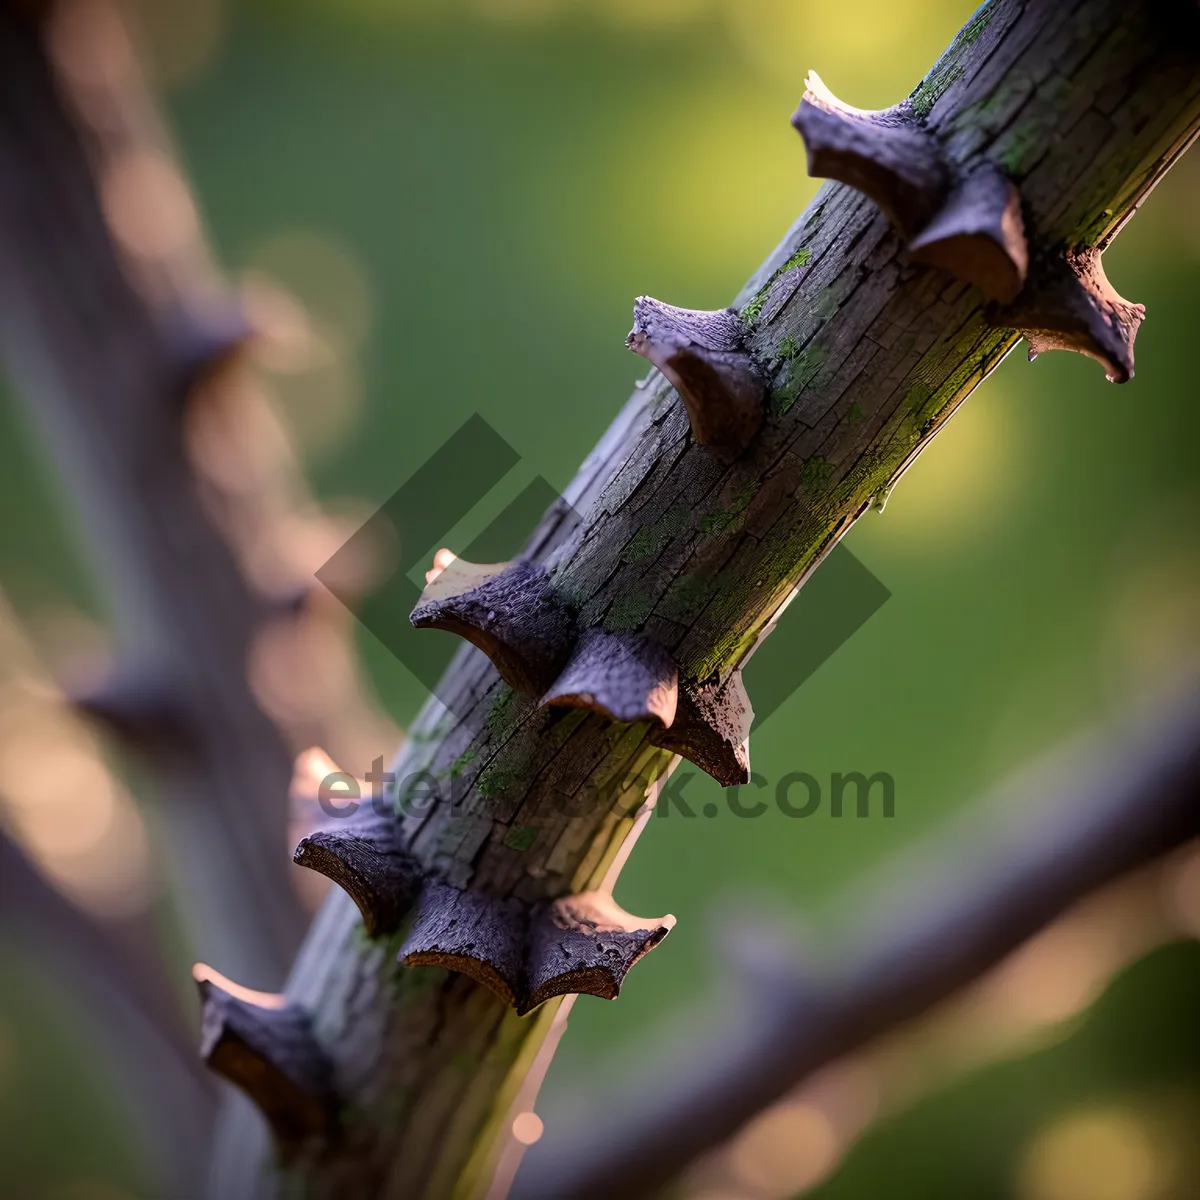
[691,543]
[699,515]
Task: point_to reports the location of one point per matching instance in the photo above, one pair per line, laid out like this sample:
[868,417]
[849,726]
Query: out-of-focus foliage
[458,201]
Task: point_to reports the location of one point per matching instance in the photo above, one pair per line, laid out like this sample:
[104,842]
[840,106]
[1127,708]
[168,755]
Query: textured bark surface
[1082,106]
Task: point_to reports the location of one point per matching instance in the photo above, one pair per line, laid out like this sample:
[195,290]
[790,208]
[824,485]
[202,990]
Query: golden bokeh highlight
[322,404]
[1053,976]
[301,670]
[312,305]
[285,338]
[148,206]
[40,794]
[236,440]
[795,1144]
[309,538]
[90,48]
[848,1092]
[325,276]
[58,798]
[787,1149]
[1102,1154]
[310,768]
[181,38]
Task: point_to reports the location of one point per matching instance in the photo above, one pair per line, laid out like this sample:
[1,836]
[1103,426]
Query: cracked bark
[1078,109]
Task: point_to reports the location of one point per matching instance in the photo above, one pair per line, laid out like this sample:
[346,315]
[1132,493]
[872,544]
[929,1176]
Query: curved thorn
[264,1044]
[1072,306]
[712,729]
[702,356]
[885,155]
[465,932]
[978,235]
[620,675]
[586,944]
[580,944]
[366,860]
[507,610]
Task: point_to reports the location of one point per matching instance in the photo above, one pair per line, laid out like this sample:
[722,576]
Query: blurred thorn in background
[57,794]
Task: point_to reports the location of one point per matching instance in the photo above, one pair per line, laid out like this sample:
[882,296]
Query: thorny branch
[616,642]
[613,644]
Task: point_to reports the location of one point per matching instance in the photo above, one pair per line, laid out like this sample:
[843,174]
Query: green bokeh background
[504,179]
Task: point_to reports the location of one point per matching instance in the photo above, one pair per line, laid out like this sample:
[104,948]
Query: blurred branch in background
[1052,997]
[127,351]
[124,345]
[108,340]
[934,923]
